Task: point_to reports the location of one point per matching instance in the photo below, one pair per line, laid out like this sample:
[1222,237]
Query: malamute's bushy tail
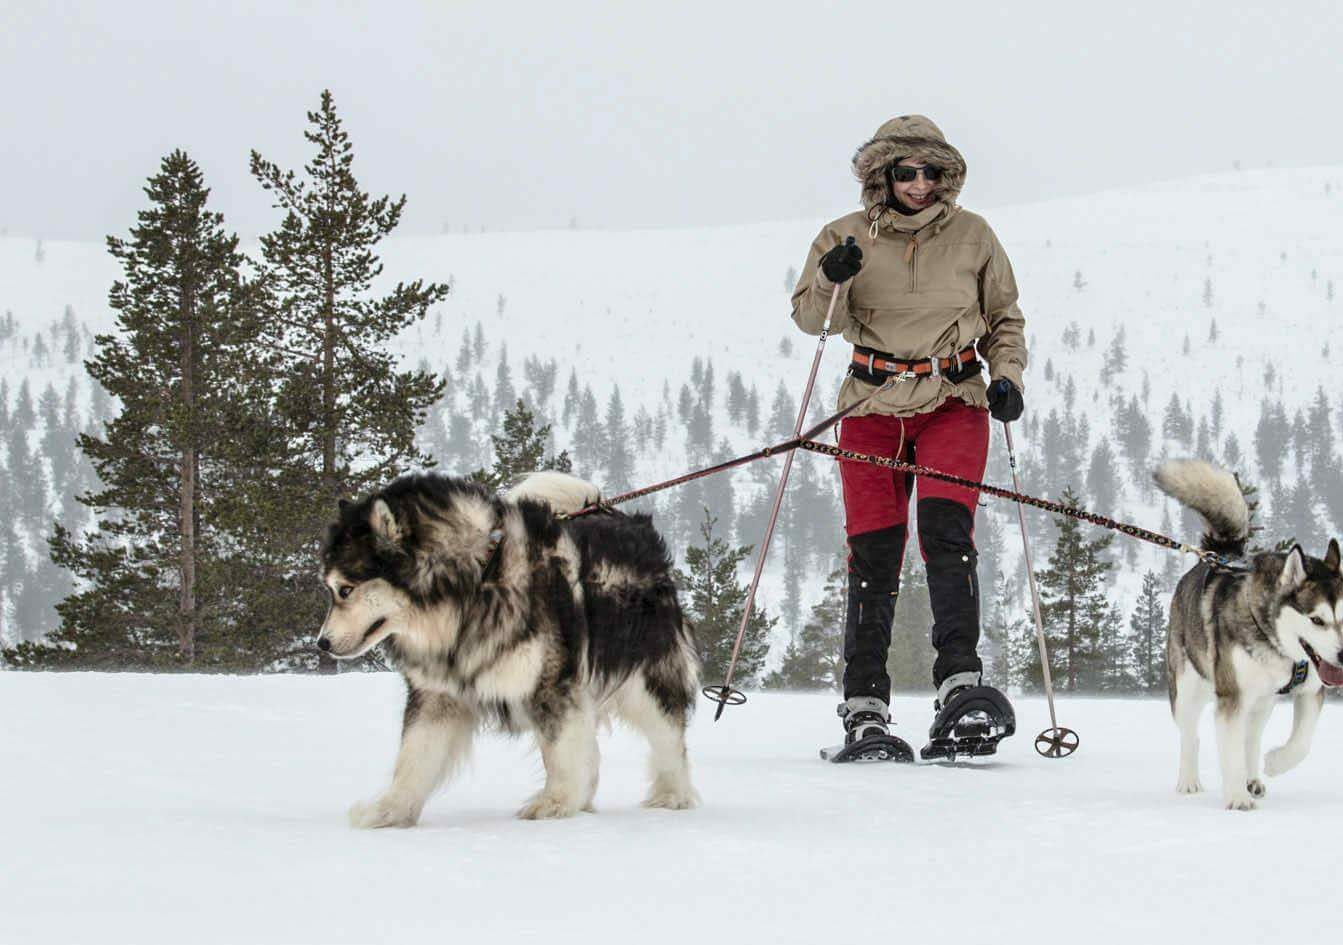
[1214,494]
[561,491]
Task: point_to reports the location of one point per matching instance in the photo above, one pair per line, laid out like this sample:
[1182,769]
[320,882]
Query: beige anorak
[931,283]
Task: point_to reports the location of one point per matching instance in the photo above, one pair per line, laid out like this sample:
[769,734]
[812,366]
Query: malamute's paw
[547,807]
[386,811]
[1280,761]
[1240,800]
[1256,787]
[672,800]
[1188,786]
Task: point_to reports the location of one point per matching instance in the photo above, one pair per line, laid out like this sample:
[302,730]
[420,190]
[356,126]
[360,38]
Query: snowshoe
[867,735]
[971,720]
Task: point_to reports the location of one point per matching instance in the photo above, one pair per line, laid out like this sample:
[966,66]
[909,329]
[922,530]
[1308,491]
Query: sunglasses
[905,174]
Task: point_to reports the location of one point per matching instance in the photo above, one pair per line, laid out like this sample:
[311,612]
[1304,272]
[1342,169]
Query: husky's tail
[1215,495]
[561,491]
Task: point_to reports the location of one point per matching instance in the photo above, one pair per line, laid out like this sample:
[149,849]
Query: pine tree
[1147,643]
[619,462]
[345,415]
[342,388]
[1081,627]
[519,448]
[154,592]
[714,603]
[815,658]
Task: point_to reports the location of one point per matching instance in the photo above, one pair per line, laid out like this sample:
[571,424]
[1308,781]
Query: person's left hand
[1005,401]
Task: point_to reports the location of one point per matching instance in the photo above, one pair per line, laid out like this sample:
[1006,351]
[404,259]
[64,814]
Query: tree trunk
[186,606]
[325,664]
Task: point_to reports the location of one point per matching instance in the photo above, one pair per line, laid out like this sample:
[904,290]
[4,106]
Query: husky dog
[497,609]
[1244,637]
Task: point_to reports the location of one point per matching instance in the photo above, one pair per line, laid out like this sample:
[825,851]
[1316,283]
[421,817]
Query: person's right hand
[843,262]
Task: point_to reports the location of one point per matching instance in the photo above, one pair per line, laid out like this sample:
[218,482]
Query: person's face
[917,193]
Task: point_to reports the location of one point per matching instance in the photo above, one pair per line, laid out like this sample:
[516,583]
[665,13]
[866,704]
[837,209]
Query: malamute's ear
[1331,556]
[343,504]
[1293,569]
[384,523]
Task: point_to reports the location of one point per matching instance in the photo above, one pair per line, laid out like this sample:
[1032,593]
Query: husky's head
[1311,609]
[423,542]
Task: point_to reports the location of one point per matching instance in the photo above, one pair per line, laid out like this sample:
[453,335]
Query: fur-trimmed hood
[909,136]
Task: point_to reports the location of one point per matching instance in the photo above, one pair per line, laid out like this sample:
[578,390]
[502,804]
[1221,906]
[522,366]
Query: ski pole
[1054,742]
[725,695]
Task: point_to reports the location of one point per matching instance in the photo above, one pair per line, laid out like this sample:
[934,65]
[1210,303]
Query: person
[925,292]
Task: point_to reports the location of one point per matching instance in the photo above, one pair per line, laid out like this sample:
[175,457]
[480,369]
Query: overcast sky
[625,114]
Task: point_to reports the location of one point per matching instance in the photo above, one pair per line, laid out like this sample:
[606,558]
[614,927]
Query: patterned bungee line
[805,441]
[1134,531]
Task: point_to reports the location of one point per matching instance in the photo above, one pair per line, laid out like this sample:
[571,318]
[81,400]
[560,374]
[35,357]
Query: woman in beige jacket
[926,293]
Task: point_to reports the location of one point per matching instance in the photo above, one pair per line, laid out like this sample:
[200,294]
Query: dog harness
[1300,670]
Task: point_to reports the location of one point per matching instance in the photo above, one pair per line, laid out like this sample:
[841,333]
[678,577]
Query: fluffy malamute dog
[1241,638]
[498,610]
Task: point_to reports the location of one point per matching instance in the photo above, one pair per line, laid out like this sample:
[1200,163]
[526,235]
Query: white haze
[619,115]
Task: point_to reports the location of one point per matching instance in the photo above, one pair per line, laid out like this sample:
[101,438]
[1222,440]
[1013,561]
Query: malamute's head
[1311,609]
[423,542]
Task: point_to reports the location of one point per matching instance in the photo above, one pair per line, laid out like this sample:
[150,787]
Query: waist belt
[957,367]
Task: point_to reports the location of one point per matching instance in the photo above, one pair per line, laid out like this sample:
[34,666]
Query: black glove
[843,262]
[1005,401]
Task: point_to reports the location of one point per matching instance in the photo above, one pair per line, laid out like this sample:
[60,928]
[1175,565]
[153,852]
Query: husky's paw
[672,800]
[386,811]
[1188,785]
[1280,761]
[1256,787]
[1240,800]
[547,807]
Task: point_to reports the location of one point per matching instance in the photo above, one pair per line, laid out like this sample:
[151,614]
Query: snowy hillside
[1257,252]
[164,809]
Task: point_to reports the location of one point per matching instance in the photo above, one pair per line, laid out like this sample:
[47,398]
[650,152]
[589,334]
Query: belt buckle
[902,376]
[937,368]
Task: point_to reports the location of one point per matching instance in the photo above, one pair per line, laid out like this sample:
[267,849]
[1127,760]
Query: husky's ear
[384,523]
[1331,557]
[1293,570]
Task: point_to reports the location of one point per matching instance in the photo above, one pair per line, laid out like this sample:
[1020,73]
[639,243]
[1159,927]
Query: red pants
[954,439]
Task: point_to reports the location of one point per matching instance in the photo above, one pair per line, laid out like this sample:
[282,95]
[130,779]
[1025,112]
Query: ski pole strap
[778,448]
[1133,531]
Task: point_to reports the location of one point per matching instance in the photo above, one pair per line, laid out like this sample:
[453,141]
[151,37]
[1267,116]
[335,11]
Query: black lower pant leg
[874,583]
[946,535]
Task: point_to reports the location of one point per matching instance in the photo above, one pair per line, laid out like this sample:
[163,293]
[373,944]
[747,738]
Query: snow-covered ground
[205,809]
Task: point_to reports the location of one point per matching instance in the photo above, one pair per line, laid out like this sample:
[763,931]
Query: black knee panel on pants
[946,536]
[874,584]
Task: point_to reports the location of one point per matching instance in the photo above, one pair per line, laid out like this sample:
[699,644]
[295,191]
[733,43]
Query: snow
[201,809]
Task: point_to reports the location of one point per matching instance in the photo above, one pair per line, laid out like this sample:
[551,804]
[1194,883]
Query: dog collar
[1300,670]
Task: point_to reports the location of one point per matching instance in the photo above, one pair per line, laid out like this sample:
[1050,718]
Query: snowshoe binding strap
[971,723]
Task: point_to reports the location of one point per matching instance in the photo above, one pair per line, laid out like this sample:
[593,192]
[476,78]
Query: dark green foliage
[519,448]
[714,603]
[1081,626]
[344,413]
[153,587]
